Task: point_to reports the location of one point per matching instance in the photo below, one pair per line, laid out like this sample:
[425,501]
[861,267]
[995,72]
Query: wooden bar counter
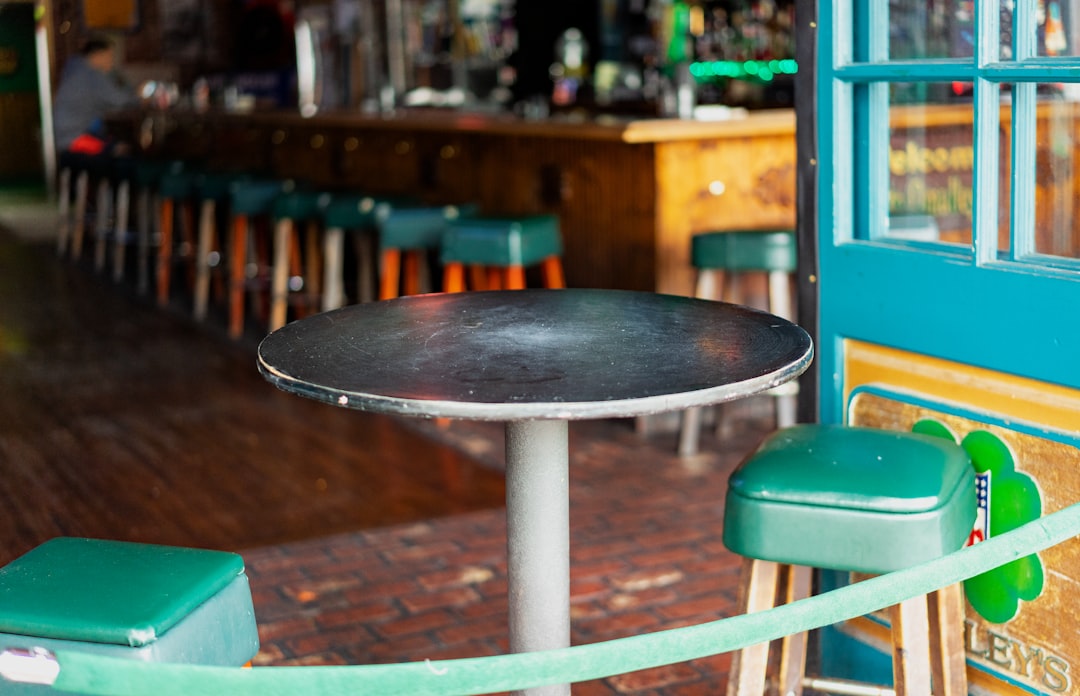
[629,193]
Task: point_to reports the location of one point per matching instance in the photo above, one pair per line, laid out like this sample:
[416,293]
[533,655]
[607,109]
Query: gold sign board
[111,14]
[1021,618]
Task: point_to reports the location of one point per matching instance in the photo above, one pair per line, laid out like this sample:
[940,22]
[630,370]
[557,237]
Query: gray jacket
[85,95]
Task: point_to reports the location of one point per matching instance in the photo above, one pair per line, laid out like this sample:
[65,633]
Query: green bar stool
[134,601]
[723,261]
[505,246]
[248,199]
[852,499]
[406,234]
[289,209]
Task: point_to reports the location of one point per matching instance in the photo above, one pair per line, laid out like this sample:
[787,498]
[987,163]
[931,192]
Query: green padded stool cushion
[415,228]
[859,499]
[489,241]
[217,186]
[254,196]
[134,601]
[745,251]
[355,211]
[149,172]
[177,182]
[298,205]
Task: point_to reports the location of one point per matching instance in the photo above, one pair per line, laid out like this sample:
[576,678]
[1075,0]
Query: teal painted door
[947,167]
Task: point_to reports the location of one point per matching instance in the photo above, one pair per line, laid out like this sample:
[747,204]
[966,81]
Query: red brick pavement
[646,555]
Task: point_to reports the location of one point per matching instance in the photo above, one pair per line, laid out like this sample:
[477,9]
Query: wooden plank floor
[121,420]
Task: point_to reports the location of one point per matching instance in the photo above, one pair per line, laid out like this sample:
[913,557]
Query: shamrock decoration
[1012,500]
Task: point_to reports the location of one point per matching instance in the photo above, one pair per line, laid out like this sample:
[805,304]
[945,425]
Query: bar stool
[723,261]
[133,601]
[288,209]
[248,200]
[504,246]
[359,213]
[861,500]
[406,234]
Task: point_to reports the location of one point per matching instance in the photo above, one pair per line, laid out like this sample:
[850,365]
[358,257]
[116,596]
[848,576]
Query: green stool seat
[298,205]
[415,228]
[137,601]
[351,211]
[177,182]
[217,186]
[490,241]
[872,500]
[250,197]
[745,251]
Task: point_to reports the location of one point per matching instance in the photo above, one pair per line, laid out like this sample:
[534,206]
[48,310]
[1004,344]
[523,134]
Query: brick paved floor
[646,555]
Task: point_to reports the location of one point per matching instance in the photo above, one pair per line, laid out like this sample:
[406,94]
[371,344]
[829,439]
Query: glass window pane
[942,28]
[1057,189]
[931,160]
[1056,27]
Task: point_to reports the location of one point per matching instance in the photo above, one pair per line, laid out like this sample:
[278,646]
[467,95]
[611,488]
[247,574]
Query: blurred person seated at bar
[89,89]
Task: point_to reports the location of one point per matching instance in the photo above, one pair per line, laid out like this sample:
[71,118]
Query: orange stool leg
[454,277]
[390,274]
[237,275]
[164,266]
[514,278]
[411,272]
[552,271]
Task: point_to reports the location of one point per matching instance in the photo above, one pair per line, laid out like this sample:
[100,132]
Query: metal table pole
[538,538]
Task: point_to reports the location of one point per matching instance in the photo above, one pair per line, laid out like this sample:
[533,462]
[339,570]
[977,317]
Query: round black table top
[534,354]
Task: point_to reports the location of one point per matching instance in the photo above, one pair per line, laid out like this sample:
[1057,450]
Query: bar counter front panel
[629,194]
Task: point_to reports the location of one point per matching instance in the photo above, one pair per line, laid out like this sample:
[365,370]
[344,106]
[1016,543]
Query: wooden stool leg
[164,256]
[142,241]
[454,277]
[101,222]
[207,211]
[780,305]
[411,272]
[123,204]
[515,278]
[63,236]
[480,279]
[312,267]
[911,647]
[365,272]
[757,593]
[793,647]
[333,269]
[690,427]
[82,186]
[946,610]
[279,287]
[188,242]
[389,273]
[551,271]
[237,275]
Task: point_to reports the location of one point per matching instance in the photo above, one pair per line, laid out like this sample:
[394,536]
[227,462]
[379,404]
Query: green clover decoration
[1013,501]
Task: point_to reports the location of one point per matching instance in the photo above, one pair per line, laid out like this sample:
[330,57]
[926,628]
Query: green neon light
[753,70]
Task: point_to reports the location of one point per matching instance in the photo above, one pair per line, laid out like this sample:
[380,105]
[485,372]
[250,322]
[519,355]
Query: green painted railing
[88,674]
